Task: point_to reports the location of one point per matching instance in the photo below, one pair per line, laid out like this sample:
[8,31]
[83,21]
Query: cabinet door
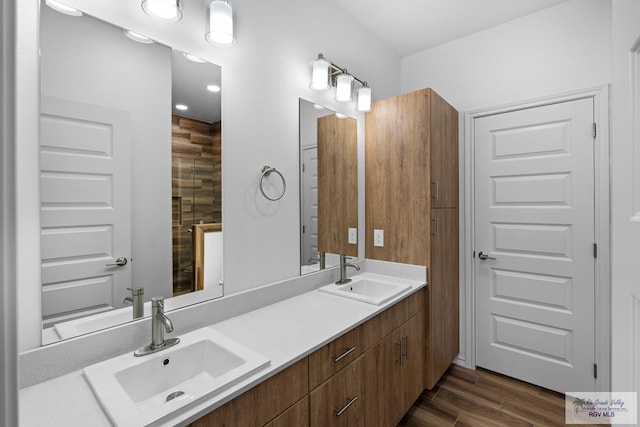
[339,400]
[383,382]
[442,295]
[444,153]
[413,335]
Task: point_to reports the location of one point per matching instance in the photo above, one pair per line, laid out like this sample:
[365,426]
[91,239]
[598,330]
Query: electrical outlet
[353,236]
[378,238]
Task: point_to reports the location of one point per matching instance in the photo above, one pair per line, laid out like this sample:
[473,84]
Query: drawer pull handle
[404,346]
[345,407]
[345,354]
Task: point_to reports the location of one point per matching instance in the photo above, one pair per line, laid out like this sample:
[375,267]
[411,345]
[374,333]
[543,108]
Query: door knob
[119,262]
[484,256]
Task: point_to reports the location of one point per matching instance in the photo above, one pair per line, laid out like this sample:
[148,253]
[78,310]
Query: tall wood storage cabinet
[411,193]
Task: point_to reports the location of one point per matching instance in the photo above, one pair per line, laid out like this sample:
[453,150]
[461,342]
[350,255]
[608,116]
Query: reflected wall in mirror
[121,170]
[328,187]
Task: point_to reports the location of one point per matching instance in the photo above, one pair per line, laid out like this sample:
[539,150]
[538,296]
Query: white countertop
[285,332]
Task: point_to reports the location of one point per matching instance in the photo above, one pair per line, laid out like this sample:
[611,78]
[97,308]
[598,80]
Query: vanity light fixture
[213,88]
[63,8]
[194,58]
[163,10]
[221,30]
[325,74]
[363,101]
[181,107]
[320,74]
[137,37]
[344,87]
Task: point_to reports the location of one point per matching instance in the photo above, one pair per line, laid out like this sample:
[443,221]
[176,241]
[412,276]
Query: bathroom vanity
[328,355]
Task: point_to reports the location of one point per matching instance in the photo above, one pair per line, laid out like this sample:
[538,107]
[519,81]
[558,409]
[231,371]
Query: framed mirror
[328,187]
[130,159]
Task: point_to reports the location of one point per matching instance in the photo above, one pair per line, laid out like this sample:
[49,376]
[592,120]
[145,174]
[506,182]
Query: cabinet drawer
[415,303]
[297,415]
[380,326]
[334,356]
[339,400]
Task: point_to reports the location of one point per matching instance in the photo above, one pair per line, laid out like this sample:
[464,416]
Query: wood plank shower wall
[196,153]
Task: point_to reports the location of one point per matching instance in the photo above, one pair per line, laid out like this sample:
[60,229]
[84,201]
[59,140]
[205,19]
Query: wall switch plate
[353,236]
[378,238]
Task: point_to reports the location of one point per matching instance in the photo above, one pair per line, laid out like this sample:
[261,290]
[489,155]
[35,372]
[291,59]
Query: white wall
[88,61]
[625,292]
[262,77]
[557,50]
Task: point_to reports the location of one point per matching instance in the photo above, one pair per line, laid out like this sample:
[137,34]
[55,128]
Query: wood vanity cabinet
[411,192]
[265,402]
[369,376]
[338,401]
[393,377]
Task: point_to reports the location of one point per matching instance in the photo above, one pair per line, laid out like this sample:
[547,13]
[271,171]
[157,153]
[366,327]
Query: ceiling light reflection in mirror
[104,96]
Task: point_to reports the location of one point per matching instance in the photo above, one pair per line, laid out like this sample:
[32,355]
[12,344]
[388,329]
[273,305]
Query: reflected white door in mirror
[116,157]
[328,187]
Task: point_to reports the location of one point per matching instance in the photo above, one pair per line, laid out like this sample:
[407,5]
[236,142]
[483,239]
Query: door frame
[602,176]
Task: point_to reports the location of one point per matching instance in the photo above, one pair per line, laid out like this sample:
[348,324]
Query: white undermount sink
[370,288]
[140,391]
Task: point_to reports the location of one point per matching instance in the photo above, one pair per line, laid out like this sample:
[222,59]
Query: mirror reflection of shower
[196,194]
[196,172]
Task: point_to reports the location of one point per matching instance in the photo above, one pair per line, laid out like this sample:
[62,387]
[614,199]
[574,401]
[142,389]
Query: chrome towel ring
[266,171]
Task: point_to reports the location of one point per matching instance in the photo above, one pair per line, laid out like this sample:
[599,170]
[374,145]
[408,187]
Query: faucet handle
[136,291]
[157,302]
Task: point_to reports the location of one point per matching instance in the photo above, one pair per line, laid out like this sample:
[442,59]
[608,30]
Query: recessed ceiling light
[63,8]
[193,58]
[137,37]
[163,10]
[213,88]
[181,107]
[341,116]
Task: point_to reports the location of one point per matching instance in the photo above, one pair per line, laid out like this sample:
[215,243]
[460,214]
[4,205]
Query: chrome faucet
[159,324]
[343,270]
[137,301]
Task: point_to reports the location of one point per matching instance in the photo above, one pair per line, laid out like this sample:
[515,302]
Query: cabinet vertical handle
[350,402]
[436,228]
[345,354]
[399,359]
[437,192]
[404,344]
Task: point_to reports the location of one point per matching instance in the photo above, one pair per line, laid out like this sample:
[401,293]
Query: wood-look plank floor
[481,398]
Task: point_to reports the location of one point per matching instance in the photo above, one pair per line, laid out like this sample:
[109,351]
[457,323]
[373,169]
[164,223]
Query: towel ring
[266,171]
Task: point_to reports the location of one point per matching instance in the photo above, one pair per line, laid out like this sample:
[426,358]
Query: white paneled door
[85,209]
[309,205]
[534,243]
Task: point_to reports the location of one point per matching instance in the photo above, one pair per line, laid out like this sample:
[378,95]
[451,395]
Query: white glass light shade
[344,88]
[364,99]
[163,10]
[63,8]
[221,28]
[320,74]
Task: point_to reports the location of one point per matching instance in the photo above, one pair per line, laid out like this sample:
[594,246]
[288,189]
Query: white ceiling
[411,26]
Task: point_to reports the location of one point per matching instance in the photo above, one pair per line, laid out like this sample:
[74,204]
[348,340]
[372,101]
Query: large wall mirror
[328,187]
[130,159]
